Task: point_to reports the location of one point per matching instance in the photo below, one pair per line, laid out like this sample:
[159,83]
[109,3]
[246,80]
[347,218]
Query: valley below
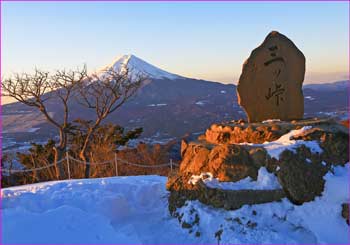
[167,110]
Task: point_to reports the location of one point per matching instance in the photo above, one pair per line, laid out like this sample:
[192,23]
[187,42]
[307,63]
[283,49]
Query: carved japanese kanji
[270,86]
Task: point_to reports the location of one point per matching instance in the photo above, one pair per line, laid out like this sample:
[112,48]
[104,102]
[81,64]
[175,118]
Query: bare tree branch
[36,89]
[105,93]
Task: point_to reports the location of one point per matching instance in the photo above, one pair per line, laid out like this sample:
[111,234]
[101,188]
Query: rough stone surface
[237,132]
[259,156]
[299,171]
[270,86]
[333,138]
[345,212]
[234,133]
[301,179]
[225,162]
[181,191]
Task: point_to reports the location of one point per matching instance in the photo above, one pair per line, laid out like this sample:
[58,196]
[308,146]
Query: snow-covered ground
[134,210]
[201,102]
[106,210]
[314,222]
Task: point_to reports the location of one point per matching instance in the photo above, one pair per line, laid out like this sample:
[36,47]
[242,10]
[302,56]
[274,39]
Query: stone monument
[270,86]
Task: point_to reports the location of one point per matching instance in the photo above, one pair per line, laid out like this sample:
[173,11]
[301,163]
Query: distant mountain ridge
[167,106]
[338,85]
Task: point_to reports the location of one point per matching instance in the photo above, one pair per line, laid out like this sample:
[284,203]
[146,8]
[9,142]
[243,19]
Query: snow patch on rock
[265,181]
[275,148]
[203,176]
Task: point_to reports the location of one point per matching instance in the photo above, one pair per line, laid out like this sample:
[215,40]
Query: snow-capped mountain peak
[139,67]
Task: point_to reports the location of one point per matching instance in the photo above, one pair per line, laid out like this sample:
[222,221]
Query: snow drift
[135,210]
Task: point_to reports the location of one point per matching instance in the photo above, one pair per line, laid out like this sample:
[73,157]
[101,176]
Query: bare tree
[36,89]
[105,93]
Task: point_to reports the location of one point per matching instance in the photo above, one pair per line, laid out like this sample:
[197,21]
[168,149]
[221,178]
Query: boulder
[299,171]
[333,138]
[301,175]
[259,156]
[225,162]
[218,198]
[345,212]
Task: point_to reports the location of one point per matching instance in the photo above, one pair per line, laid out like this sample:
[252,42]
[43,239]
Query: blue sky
[201,40]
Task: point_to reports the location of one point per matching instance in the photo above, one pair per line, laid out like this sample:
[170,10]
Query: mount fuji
[167,106]
[138,66]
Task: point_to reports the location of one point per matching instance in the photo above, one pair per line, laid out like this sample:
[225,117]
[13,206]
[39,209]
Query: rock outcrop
[345,212]
[181,191]
[301,175]
[226,162]
[299,169]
